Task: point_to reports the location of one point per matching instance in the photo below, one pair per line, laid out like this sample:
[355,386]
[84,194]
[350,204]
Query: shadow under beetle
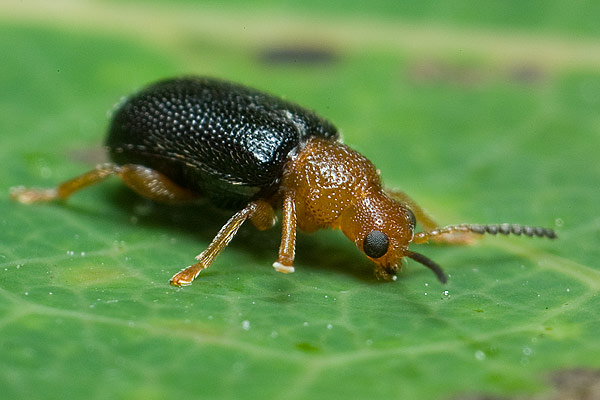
[182,139]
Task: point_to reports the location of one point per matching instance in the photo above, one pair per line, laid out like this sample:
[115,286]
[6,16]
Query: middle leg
[258,210]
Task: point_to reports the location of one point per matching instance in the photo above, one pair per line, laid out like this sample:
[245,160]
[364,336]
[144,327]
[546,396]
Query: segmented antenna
[515,229]
[493,229]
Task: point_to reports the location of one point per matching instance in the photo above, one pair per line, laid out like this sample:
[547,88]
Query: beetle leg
[448,237]
[462,233]
[205,259]
[263,217]
[422,217]
[287,248]
[153,184]
[145,181]
[65,189]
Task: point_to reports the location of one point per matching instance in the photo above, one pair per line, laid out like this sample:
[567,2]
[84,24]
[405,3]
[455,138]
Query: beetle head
[383,228]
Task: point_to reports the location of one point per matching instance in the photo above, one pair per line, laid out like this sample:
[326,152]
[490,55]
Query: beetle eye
[376,244]
[412,218]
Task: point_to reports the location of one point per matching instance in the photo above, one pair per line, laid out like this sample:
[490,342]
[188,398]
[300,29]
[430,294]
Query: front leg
[447,237]
[287,249]
[422,217]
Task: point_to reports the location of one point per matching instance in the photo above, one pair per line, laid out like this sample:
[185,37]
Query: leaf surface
[86,310]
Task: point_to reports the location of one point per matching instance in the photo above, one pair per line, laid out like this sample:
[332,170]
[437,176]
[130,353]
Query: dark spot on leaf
[576,384]
[525,74]
[469,75]
[307,347]
[478,310]
[437,71]
[306,55]
[571,384]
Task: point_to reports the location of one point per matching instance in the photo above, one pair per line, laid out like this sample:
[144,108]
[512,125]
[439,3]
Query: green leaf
[507,130]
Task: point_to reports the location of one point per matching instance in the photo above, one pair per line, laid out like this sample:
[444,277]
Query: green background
[481,114]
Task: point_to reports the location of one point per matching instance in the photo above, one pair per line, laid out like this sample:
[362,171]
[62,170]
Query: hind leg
[145,181]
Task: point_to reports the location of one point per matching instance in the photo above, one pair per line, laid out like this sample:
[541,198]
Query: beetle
[181,139]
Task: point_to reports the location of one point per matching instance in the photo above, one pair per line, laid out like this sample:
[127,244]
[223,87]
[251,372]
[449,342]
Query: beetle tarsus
[285,269]
[26,195]
[186,276]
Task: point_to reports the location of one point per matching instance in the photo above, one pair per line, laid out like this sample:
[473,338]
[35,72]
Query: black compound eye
[376,244]
[412,218]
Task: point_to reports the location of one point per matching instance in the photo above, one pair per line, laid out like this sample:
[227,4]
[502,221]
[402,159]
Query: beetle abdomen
[222,140]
